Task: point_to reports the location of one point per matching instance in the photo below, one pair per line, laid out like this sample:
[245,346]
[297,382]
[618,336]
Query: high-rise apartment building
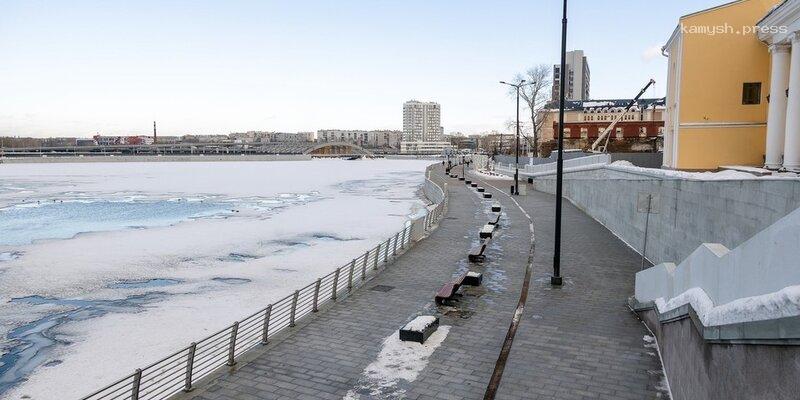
[577,77]
[422,121]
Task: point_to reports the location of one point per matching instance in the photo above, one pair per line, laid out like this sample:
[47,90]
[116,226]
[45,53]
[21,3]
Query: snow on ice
[128,287]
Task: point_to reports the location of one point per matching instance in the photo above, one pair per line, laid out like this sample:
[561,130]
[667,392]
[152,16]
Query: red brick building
[639,130]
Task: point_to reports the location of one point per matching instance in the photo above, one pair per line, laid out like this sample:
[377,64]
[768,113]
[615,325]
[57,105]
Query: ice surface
[198,267]
[24,224]
[780,304]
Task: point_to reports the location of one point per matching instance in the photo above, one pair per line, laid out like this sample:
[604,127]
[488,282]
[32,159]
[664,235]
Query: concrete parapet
[687,213]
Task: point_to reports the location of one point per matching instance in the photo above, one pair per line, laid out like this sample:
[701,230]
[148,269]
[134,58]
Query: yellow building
[717,86]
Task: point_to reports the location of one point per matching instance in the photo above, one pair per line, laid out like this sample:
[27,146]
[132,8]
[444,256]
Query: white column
[776,117]
[666,162]
[791,149]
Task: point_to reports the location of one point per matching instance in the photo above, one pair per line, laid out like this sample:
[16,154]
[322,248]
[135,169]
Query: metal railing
[179,371]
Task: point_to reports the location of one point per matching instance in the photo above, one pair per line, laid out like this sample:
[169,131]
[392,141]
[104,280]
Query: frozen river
[105,267]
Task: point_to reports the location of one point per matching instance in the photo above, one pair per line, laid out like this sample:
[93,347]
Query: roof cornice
[675,34]
[785,14]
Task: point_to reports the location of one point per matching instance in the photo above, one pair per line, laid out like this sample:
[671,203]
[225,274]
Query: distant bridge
[324,149]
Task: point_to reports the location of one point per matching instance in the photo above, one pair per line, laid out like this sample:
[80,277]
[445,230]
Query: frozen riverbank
[79,310]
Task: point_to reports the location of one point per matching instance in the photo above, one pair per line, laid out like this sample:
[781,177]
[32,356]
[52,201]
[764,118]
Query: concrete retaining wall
[757,267]
[688,213]
[698,369]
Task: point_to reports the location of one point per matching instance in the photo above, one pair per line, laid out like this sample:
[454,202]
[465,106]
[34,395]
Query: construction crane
[607,132]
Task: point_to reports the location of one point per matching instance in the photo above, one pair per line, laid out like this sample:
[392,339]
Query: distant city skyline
[76,69]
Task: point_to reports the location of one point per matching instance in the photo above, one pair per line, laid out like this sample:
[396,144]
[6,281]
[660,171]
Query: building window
[643,131]
[584,133]
[751,93]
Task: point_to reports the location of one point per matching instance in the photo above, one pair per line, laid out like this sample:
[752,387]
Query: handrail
[179,371]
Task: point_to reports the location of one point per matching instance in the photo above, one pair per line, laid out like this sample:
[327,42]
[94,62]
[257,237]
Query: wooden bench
[449,291]
[487,195]
[473,184]
[476,254]
[467,182]
[481,189]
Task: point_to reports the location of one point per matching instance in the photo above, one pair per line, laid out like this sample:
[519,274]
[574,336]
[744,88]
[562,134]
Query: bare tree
[535,97]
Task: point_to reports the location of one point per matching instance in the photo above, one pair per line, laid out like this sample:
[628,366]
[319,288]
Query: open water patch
[9,255]
[32,344]
[331,236]
[26,223]
[144,283]
[232,281]
[238,257]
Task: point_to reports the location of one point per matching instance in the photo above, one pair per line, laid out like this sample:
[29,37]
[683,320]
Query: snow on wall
[758,280]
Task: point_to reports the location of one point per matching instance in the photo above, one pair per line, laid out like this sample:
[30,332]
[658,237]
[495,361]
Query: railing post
[364,267]
[187,387]
[350,276]
[294,307]
[265,331]
[377,254]
[232,349]
[335,284]
[396,237]
[386,251]
[137,382]
[316,294]
[403,239]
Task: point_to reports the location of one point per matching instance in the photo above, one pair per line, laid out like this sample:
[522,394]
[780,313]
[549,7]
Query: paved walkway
[576,342]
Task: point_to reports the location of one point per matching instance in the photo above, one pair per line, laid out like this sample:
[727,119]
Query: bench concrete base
[481,190]
[473,278]
[487,231]
[487,195]
[468,182]
[473,184]
[496,207]
[419,329]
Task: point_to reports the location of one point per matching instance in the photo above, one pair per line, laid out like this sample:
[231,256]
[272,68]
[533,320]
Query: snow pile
[420,323]
[486,174]
[699,176]
[780,304]
[398,362]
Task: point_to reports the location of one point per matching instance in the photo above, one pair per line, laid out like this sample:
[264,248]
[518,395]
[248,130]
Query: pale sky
[76,68]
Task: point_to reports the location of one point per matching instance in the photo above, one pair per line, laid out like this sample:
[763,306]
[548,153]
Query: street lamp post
[556,279]
[517,86]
